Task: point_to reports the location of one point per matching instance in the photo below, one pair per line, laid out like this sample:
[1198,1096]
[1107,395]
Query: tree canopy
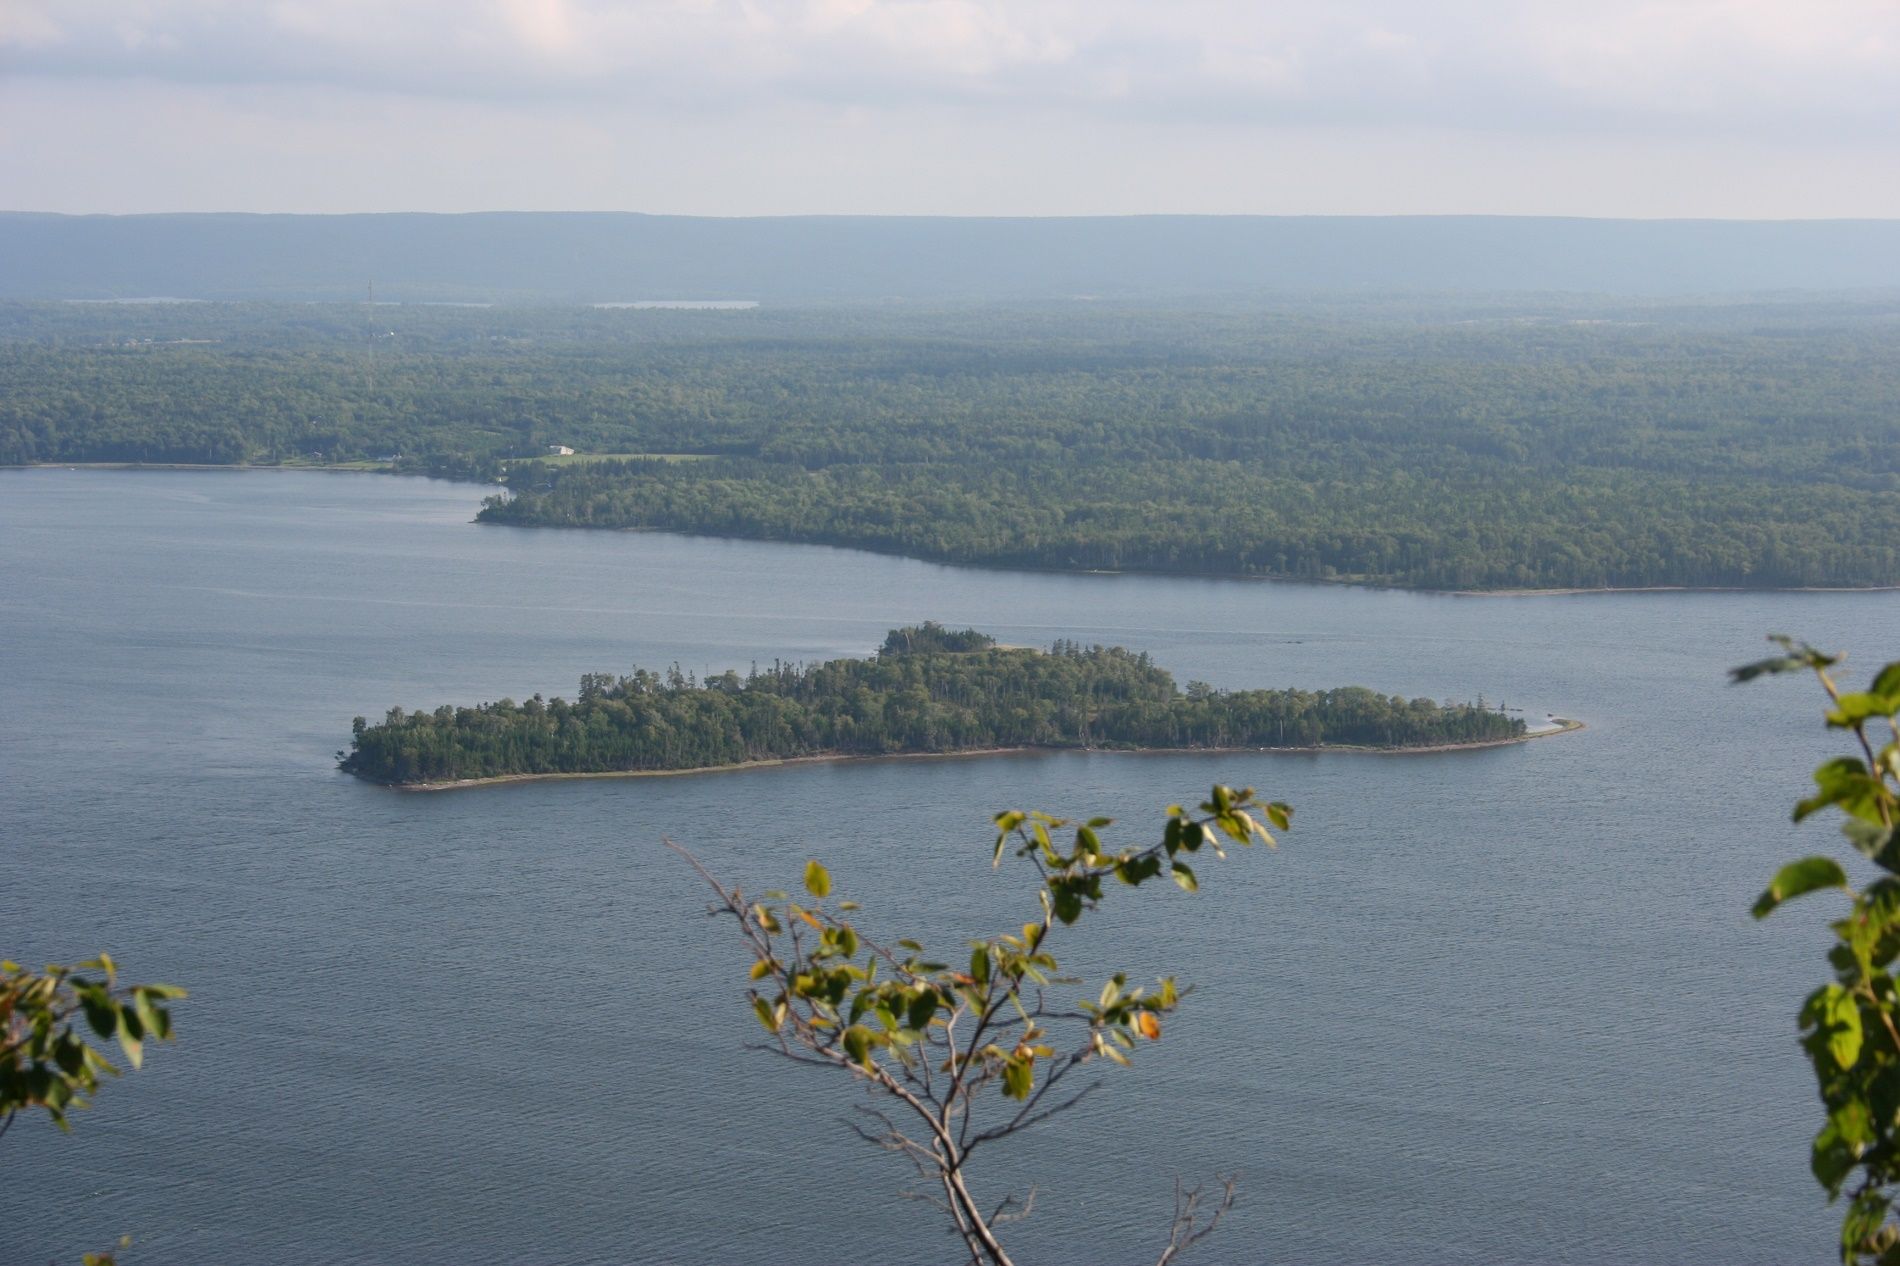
[1476,444]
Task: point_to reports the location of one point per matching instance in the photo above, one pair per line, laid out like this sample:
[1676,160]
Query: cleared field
[581,459]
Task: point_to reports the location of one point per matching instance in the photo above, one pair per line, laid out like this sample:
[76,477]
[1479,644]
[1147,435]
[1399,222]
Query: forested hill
[1482,444]
[927,690]
[553,257]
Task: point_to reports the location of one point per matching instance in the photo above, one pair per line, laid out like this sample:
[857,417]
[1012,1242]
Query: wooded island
[927,690]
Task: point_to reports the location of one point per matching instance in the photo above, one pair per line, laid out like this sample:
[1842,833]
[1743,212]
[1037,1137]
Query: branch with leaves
[933,1040]
[46,1060]
[1851,1026]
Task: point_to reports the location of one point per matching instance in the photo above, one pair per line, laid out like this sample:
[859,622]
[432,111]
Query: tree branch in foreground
[931,1039]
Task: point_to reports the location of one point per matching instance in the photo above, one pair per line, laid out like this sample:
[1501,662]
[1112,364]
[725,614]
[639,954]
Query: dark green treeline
[1225,518]
[927,690]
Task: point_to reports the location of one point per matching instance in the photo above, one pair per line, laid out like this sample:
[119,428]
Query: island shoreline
[1346,582]
[1564,726]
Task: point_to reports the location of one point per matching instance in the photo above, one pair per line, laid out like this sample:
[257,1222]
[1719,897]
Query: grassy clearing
[581,459]
[362,465]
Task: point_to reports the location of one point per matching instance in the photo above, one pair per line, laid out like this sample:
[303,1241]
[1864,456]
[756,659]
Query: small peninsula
[928,690]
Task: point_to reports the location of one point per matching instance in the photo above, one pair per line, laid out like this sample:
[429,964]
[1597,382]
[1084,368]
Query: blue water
[1492,1006]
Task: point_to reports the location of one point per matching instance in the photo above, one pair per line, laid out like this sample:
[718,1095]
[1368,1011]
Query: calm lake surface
[1492,1006]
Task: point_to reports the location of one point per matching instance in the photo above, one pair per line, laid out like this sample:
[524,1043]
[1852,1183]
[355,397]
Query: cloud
[1598,107]
[1754,65]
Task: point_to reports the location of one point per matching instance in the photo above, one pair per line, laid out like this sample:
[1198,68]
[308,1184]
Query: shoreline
[344,468]
[1613,589]
[1563,726]
[1337,582]
[1345,582]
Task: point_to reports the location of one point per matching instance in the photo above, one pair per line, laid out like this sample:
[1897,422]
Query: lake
[1489,1006]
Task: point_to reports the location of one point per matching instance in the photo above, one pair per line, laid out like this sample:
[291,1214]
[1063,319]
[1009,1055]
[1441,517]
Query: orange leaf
[1149,1026]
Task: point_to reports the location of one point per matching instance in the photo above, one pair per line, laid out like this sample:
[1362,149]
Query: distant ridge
[616,257]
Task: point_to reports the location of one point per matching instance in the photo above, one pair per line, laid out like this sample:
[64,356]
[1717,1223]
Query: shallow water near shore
[1485,1006]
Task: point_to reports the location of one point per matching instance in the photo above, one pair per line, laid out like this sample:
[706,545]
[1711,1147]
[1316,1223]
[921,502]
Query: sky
[1648,108]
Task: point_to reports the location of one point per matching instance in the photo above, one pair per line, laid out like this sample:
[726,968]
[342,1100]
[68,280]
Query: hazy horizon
[970,215]
[618,257]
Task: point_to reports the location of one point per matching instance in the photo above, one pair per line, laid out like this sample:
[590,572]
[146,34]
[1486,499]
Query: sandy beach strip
[1562,727]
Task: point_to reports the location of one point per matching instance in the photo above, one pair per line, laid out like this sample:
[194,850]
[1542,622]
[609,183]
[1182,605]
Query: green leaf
[1878,844]
[1863,1219]
[149,1015]
[1853,1123]
[764,1011]
[1764,667]
[1845,1035]
[1797,878]
[1041,836]
[980,964]
[857,1044]
[70,1055]
[1853,708]
[1019,1076]
[1135,871]
[1185,877]
[1887,681]
[100,1013]
[1843,781]
[1830,1160]
[817,879]
[1067,904]
[1799,655]
[1833,1015]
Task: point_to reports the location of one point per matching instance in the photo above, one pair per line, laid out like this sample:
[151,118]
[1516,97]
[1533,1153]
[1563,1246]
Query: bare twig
[1190,1225]
[1012,1209]
[1028,1116]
